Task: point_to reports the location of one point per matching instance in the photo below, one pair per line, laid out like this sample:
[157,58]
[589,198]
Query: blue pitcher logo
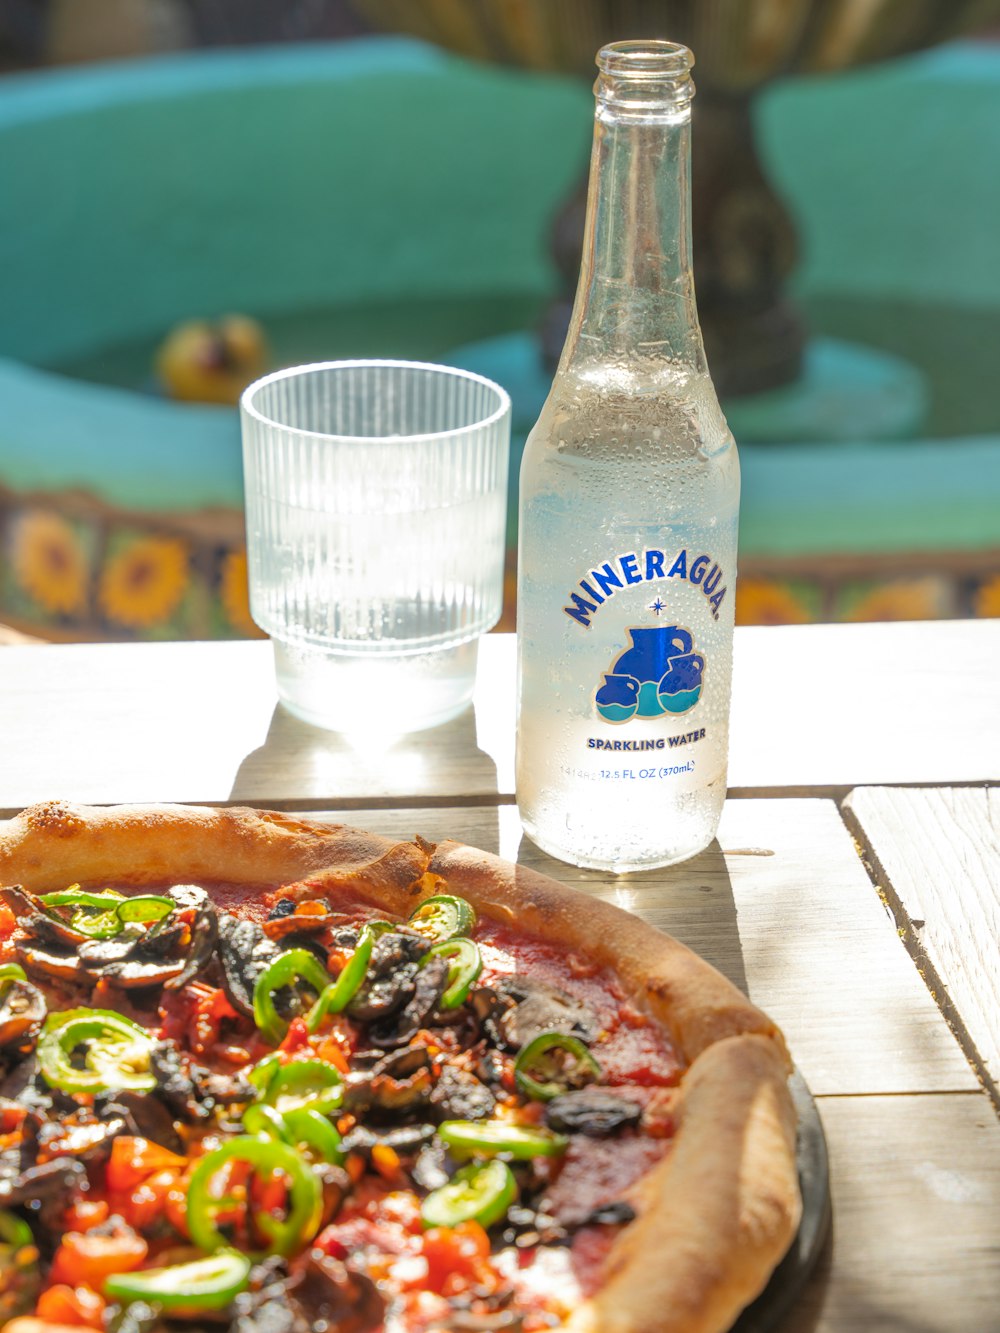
[658,673]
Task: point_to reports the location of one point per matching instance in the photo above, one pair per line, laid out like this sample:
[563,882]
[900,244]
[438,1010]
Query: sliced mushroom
[391,977]
[99,953]
[595,1112]
[133,974]
[306,918]
[398,1082]
[22,1013]
[428,987]
[244,951]
[337,1297]
[35,920]
[145,1116]
[60,967]
[204,936]
[487,1006]
[175,1088]
[25,1086]
[52,1180]
[406,1140]
[81,1137]
[541,1008]
[459,1095]
[188,896]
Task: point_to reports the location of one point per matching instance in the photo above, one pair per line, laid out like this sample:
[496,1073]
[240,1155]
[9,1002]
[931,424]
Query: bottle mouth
[645,75]
[645,60]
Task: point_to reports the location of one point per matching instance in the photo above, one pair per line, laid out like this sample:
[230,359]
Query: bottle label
[660,672]
[650,565]
[652,657]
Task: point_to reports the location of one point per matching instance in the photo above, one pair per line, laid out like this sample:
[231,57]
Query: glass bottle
[628,514]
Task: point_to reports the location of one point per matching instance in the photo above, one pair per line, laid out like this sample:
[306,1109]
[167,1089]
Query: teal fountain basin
[376,197]
[380,197]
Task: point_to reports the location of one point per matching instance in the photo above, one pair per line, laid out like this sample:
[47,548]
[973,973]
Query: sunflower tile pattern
[72,568]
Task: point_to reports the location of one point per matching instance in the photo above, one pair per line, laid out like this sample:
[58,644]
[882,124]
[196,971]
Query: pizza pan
[789,1278]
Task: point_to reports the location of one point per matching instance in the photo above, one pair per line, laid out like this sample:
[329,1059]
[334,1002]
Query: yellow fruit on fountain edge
[204,361]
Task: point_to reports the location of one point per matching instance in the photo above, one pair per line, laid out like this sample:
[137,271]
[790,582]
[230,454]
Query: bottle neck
[636,290]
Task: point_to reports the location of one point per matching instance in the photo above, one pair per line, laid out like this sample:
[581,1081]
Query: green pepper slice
[305,1196]
[479,1193]
[102,916]
[302,1126]
[261,1074]
[116,1052]
[145,907]
[289,967]
[14,1230]
[20,1273]
[339,994]
[74,896]
[465,965]
[488,1138]
[96,913]
[552,1063]
[12,972]
[311,1085]
[310,1128]
[442,917]
[259,1118]
[205,1284]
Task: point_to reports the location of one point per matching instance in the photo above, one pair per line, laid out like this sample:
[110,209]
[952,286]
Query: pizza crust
[50,845]
[714,1217]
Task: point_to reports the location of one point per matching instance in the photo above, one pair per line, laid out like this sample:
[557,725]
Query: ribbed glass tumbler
[376,499]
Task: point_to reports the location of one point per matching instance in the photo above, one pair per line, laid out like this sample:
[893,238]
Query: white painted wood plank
[916,1219]
[937,855]
[815,708]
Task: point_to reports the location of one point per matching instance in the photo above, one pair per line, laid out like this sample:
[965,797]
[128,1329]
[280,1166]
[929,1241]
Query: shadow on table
[303,767]
[693,901]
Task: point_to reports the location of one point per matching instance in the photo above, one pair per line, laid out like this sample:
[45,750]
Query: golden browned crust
[50,845]
[714,1217]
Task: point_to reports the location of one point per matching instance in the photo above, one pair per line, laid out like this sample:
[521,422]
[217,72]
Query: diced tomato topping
[332,1050]
[296,1037]
[132,1160]
[78,1306]
[85,1212]
[194,1015]
[86,1260]
[457,1257]
[12,1117]
[29,1324]
[8,922]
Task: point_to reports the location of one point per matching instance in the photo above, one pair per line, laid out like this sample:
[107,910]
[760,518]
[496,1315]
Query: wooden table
[852,891]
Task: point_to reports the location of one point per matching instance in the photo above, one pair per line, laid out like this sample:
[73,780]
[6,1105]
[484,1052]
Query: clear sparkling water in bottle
[628,514]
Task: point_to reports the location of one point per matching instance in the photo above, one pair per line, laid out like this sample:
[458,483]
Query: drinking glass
[376,497]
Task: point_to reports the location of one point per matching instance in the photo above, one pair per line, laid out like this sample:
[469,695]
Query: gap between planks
[909,930]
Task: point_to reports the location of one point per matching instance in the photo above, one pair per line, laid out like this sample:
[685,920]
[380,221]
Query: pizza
[272,1076]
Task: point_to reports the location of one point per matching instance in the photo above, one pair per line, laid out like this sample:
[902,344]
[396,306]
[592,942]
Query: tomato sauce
[630,1048]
